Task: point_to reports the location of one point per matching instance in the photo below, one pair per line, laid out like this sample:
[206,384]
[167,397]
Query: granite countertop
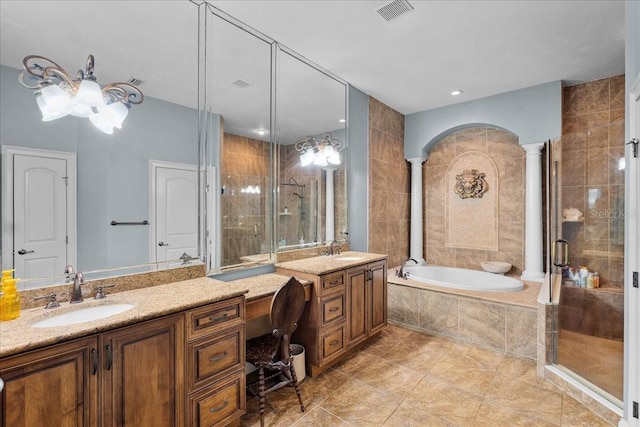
[18,335]
[263,285]
[323,264]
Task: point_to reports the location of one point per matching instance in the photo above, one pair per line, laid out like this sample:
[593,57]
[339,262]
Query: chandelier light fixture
[58,95]
[323,152]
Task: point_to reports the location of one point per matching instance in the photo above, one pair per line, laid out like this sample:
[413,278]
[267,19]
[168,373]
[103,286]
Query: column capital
[417,160]
[534,148]
[329,168]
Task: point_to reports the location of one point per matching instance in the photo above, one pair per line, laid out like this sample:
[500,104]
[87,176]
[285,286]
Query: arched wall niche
[483,146]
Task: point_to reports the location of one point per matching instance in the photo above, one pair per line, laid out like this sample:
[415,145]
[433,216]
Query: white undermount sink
[82,315]
[348,258]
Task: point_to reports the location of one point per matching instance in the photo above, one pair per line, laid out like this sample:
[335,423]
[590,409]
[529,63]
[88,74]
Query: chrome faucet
[334,248]
[400,272]
[76,294]
[68,270]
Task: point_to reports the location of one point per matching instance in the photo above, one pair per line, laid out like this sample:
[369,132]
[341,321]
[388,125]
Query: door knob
[24,251]
[163,244]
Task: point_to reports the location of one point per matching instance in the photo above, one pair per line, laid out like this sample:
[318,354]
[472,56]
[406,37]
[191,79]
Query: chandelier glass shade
[58,95]
[319,152]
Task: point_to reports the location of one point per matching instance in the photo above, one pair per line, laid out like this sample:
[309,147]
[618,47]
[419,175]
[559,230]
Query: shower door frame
[632,264]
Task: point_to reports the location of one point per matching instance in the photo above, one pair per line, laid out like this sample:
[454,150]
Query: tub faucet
[400,272]
[76,293]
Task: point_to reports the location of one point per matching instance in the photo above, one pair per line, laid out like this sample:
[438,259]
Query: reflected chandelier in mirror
[320,153]
[58,95]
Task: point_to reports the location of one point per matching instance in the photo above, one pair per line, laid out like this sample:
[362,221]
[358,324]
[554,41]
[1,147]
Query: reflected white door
[40,216]
[176,212]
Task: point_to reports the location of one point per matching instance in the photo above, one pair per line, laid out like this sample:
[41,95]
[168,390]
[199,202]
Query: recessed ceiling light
[261,132]
[342,120]
[456,92]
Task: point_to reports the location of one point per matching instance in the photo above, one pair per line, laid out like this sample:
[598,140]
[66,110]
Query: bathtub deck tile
[521,331]
[439,313]
[482,323]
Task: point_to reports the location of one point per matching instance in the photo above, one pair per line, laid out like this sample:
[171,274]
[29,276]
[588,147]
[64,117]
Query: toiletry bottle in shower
[596,279]
[584,273]
[590,281]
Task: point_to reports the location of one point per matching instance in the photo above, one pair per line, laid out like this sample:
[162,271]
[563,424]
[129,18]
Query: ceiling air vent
[394,9]
[242,83]
[134,81]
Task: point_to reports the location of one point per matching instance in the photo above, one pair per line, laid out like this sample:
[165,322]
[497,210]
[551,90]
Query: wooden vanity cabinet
[55,386]
[346,308]
[367,295]
[182,369]
[216,393]
[143,374]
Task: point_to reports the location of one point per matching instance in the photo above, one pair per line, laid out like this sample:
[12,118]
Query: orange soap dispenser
[10,300]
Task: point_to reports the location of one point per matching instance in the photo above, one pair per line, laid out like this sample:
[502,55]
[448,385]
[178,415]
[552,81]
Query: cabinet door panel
[144,382]
[378,296]
[357,303]
[54,386]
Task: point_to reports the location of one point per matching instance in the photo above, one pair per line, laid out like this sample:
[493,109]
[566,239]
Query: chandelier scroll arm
[125,92]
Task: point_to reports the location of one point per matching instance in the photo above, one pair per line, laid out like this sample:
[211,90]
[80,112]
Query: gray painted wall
[113,170]
[534,114]
[358,169]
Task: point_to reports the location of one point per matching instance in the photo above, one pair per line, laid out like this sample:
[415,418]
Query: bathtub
[460,278]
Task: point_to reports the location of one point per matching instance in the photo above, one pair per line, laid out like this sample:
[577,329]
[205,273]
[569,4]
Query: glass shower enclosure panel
[586,228]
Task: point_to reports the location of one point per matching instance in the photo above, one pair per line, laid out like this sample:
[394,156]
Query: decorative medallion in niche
[471,210]
[470,183]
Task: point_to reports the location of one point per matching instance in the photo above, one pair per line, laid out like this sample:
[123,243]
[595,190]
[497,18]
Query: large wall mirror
[122,177]
[264,103]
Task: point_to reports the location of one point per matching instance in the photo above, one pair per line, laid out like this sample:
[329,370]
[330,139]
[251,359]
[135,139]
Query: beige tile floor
[407,378]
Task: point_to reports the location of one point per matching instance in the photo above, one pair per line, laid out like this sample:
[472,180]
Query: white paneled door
[176,211]
[39,206]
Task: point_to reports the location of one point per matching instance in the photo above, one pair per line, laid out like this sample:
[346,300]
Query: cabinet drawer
[332,342]
[332,308]
[214,317]
[333,281]
[212,356]
[218,406]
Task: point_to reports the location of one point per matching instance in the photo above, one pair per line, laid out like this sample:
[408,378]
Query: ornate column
[415,235]
[533,254]
[329,204]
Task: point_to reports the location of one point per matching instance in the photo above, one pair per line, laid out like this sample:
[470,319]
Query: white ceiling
[484,48]
[411,63]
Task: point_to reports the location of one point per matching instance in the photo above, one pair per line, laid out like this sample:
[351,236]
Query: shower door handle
[560,253]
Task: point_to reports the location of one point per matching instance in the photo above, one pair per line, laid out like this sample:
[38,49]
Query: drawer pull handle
[219,318]
[218,357]
[220,408]
[334,309]
[334,342]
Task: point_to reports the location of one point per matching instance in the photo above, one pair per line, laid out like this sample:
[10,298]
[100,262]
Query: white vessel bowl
[496,267]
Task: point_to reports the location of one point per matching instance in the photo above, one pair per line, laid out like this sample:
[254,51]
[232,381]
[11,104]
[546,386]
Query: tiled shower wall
[389,188]
[509,157]
[244,167]
[592,180]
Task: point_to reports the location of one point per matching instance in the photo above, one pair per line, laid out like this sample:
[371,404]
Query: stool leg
[261,394]
[292,371]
